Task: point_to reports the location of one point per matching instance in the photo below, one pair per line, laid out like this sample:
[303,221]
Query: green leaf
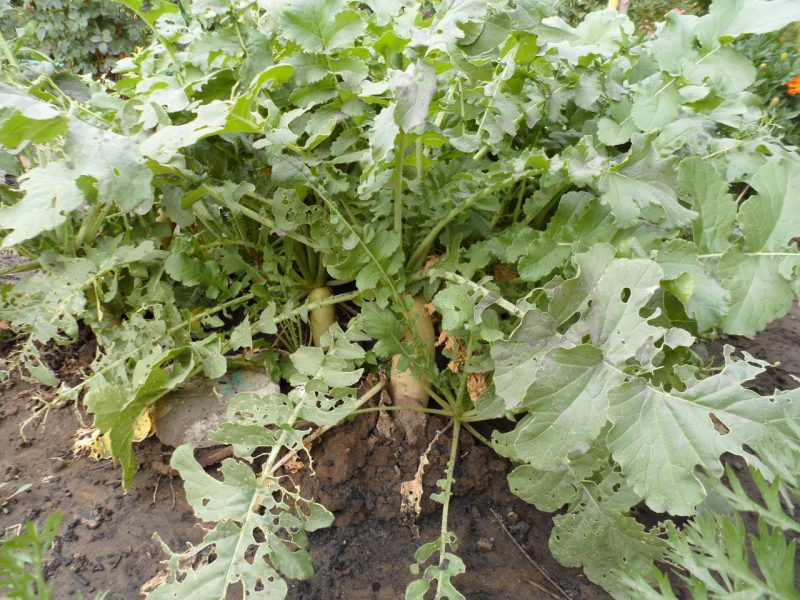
[24,119]
[646,183]
[518,360]
[165,143]
[732,18]
[383,133]
[760,293]
[656,103]
[771,219]
[594,532]
[703,297]
[456,306]
[414,89]
[567,408]
[383,325]
[242,336]
[445,28]
[50,195]
[715,207]
[615,323]
[320,25]
[115,163]
[659,437]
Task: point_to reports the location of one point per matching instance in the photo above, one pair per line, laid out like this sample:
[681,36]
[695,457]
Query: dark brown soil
[106,540]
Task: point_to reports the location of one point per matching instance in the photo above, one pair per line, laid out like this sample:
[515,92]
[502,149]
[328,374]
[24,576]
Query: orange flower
[793,86]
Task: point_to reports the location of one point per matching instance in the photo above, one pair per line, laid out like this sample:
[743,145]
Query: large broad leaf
[759,287]
[772,218]
[645,186]
[656,103]
[447,24]
[115,163]
[686,277]
[594,532]
[567,406]
[112,162]
[25,119]
[50,195]
[731,18]
[414,90]
[715,207]
[165,143]
[518,360]
[321,25]
[615,323]
[660,437]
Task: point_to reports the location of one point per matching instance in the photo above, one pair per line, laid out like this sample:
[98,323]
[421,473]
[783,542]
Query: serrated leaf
[567,408]
[320,25]
[615,325]
[414,89]
[732,18]
[594,532]
[456,306]
[242,336]
[660,437]
[383,133]
[656,103]
[50,195]
[715,207]
[771,219]
[23,119]
[703,297]
[165,143]
[115,163]
[645,184]
[518,360]
[383,325]
[760,293]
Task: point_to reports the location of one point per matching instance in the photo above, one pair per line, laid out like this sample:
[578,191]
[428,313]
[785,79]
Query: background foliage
[82,36]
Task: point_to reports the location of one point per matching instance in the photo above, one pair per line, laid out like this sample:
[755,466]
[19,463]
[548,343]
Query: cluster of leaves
[723,555]
[644,13]
[580,204]
[84,36]
[22,560]
[778,58]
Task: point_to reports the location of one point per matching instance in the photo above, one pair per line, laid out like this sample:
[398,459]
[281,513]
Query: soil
[106,539]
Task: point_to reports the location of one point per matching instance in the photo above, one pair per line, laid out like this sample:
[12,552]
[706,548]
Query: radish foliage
[579,206]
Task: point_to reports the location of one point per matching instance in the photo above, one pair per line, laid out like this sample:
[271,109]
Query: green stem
[427,243]
[462,387]
[458,279]
[31,265]
[235,19]
[422,409]
[447,493]
[477,435]
[7,51]
[95,223]
[420,152]
[258,218]
[309,306]
[399,159]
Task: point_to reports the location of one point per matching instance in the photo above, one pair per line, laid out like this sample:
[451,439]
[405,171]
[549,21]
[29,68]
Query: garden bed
[106,539]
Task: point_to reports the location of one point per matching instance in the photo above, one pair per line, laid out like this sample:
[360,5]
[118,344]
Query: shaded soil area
[106,539]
